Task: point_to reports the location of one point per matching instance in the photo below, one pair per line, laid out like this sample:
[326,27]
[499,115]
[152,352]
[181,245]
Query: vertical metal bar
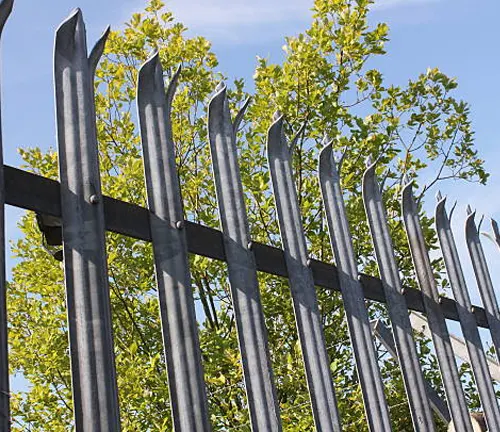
[358,322]
[252,336]
[420,324]
[180,334]
[483,279]
[466,316]
[5,10]
[89,315]
[385,336]
[305,303]
[396,304]
[437,323]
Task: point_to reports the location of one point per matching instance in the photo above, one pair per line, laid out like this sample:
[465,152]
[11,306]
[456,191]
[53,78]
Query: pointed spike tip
[368,161]
[220,87]
[439,196]
[5,11]
[325,140]
[453,207]
[468,209]
[337,156]
[480,222]
[277,115]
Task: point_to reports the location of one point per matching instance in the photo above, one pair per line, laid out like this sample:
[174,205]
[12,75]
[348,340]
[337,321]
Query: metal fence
[86,214]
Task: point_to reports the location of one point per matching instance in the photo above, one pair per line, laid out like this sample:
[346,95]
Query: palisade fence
[86,215]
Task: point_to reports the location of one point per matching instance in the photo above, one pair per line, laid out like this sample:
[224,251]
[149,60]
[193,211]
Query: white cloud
[385,4]
[249,21]
[224,13]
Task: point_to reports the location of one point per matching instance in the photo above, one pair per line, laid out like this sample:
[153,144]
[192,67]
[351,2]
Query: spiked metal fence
[86,214]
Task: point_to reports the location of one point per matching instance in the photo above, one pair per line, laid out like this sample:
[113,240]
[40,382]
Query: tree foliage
[419,130]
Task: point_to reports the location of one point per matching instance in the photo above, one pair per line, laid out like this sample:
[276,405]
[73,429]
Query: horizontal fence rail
[33,192]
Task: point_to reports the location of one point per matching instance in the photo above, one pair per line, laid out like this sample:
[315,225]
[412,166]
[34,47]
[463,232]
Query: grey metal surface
[396,304]
[437,323]
[467,320]
[252,335]
[89,315]
[385,336]
[483,279]
[32,192]
[496,232]
[180,333]
[305,303]
[419,323]
[5,10]
[375,403]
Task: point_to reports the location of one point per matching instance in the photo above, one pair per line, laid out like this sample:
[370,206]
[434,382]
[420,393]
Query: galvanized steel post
[305,303]
[5,10]
[358,322]
[396,304]
[180,334]
[437,323]
[467,319]
[385,336]
[89,316]
[252,335]
[483,279]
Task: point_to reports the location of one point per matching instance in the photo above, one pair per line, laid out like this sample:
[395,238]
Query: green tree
[325,81]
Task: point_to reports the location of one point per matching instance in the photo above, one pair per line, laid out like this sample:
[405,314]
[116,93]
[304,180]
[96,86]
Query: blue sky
[458,36]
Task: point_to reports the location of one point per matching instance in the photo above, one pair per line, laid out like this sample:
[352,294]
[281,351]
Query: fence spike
[466,316]
[413,378]
[452,210]
[483,280]
[252,336]
[97,51]
[305,303]
[295,139]
[480,223]
[188,398]
[437,323]
[375,403]
[89,315]
[5,11]
[241,114]
[496,232]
